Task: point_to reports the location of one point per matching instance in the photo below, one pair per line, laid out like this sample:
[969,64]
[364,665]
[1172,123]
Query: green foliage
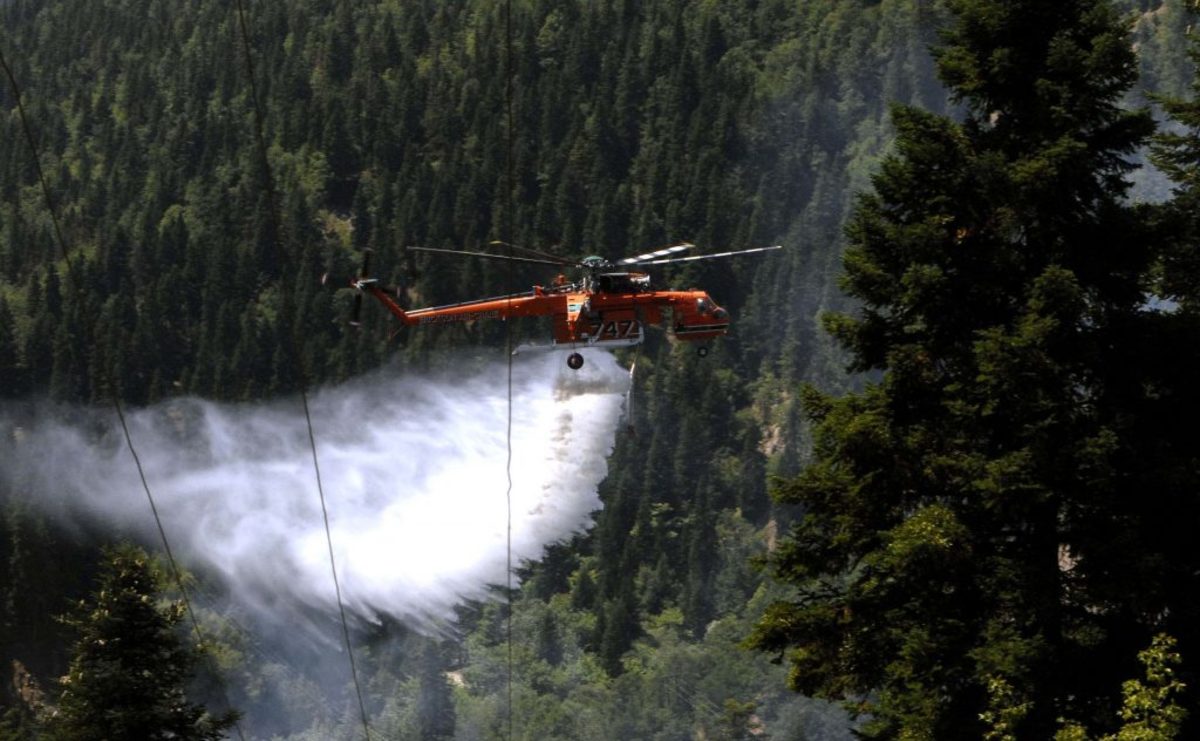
[14,728]
[636,124]
[1004,711]
[731,124]
[957,557]
[716,123]
[671,686]
[130,667]
[1151,709]
[1176,152]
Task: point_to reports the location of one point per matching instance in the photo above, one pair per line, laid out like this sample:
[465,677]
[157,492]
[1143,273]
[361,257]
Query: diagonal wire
[508,239]
[277,222]
[77,286]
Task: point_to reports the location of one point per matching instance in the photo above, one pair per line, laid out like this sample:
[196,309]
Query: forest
[937,482]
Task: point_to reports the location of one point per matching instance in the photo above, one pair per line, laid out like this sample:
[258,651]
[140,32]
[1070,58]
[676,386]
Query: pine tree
[12,375]
[1177,153]
[984,533]
[435,700]
[129,671]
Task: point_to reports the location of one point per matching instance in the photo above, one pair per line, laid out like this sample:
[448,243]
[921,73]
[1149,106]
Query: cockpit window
[702,305]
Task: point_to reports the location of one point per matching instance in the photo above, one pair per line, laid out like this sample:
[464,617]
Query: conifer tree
[984,533]
[435,699]
[12,377]
[1177,153]
[130,668]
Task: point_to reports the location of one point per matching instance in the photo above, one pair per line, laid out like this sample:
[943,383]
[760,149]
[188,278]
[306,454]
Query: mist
[413,470]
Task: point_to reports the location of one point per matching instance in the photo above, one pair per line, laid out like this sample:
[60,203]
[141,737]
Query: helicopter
[610,305]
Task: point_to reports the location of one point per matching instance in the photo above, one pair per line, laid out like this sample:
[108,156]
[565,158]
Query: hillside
[190,272]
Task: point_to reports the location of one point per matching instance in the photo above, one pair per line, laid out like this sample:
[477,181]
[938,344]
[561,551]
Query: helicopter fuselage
[608,309]
[610,305]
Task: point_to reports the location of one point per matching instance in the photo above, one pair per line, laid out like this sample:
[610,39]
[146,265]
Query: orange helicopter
[609,306]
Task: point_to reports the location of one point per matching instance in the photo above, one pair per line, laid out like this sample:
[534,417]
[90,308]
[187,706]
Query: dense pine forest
[938,481]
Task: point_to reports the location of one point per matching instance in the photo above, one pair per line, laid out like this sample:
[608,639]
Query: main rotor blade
[670,249]
[490,256]
[711,256]
[536,253]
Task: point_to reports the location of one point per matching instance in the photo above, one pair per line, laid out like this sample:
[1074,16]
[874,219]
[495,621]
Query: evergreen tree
[12,375]
[38,343]
[1177,153]
[984,533]
[435,700]
[637,123]
[17,724]
[130,667]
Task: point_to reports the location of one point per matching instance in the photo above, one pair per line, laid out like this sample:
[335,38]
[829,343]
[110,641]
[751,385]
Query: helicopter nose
[720,314]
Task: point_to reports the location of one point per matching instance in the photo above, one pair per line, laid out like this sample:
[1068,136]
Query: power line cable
[80,297]
[508,240]
[277,222]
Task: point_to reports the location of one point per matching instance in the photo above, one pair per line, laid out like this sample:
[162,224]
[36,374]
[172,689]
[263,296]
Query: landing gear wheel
[702,351]
[574,361]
